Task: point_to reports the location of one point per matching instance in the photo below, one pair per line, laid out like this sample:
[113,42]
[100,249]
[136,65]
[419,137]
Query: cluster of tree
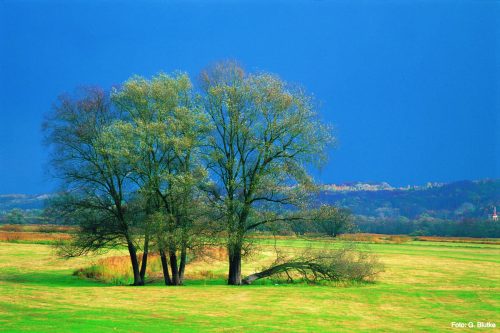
[22,216]
[157,165]
[428,226]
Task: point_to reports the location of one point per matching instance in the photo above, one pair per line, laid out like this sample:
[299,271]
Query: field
[426,286]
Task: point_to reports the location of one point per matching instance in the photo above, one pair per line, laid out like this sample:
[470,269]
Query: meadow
[426,285]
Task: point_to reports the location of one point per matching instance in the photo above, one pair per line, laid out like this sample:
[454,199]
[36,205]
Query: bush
[346,264]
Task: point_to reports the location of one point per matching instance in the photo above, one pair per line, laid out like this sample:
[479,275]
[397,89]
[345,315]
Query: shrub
[345,264]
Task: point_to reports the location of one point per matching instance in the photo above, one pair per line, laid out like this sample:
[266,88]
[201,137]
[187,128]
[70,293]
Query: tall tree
[98,187]
[162,131]
[265,134]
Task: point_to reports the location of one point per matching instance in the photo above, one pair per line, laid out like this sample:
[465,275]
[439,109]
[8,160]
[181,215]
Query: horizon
[389,76]
[420,186]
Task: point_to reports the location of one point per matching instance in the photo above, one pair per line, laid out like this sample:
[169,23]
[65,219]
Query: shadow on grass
[48,279]
[66,279]
[270,282]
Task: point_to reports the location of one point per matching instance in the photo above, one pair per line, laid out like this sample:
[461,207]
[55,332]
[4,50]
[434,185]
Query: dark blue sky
[411,86]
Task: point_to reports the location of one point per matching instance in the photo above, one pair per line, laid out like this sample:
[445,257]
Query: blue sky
[410,86]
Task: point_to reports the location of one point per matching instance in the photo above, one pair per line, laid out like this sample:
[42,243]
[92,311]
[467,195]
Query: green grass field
[425,287]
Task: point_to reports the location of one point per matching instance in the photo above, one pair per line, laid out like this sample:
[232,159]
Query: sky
[411,87]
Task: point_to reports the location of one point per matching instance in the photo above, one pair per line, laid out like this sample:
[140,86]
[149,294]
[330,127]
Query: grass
[426,286]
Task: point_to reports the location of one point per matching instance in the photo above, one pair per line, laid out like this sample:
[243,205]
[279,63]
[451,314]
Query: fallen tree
[346,264]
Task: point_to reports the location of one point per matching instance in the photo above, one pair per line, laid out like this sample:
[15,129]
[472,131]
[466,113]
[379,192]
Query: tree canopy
[157,164]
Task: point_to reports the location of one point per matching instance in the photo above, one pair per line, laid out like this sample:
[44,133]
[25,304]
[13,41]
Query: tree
[161,132]
[15,216]
[344,264]
[99,192]
[265,133]
[333,221]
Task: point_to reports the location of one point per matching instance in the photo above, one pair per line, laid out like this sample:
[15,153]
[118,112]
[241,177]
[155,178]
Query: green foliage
[265,134]
[428,226]
[160,136]
[332,221]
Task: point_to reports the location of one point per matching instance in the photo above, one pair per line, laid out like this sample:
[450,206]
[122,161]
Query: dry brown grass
[384,238]
[116,269]
[376,238]
[49,228]
[269,235]
[12,227]
[34,232]
[217,253]
[458,239]
[14,236]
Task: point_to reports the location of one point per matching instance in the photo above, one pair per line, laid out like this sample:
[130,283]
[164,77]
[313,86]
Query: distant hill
[452,201]
[23,201]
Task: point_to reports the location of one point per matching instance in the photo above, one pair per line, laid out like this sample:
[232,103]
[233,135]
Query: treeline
[23,216]
[159,165]
[426,226]
[344,222]
[339,221]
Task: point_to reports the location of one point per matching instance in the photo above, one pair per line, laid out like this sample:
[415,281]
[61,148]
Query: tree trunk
[135,264]
[270,271]
[234,277]
[174,268]
[182,265]
[144,262]
[164,266]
